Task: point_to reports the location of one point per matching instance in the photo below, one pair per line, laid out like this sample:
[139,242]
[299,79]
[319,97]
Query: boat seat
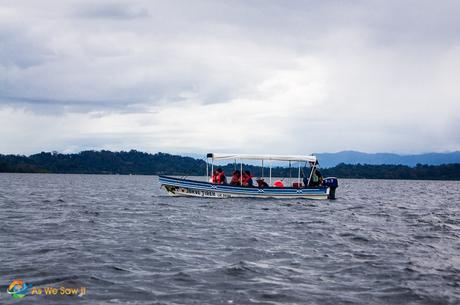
[297,185]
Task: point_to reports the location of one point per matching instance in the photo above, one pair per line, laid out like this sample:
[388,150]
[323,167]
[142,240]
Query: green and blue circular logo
[18,289]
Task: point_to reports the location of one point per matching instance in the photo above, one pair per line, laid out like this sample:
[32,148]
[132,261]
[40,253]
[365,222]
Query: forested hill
[103,162]
[135,162]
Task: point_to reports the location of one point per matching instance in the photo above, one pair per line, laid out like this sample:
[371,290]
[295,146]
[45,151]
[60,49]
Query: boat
[299,189]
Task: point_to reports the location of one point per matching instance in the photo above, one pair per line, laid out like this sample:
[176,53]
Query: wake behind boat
[303,187]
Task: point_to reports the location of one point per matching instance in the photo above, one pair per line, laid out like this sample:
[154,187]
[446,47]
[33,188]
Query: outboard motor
[332,183]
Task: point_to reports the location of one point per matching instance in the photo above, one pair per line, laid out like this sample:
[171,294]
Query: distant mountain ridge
[356,157]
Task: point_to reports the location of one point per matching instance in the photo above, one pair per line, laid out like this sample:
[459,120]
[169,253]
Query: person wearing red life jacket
[247,179]
[236,178]
[214,177]
[219,177]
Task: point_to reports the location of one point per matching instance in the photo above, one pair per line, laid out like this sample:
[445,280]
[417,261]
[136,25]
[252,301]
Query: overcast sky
[229,76]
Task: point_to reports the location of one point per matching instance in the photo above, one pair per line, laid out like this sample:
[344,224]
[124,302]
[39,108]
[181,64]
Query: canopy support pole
[262,169]
[212,168]
[270,172]
[298,178]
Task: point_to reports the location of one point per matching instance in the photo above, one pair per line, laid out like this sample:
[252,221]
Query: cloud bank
[245,76]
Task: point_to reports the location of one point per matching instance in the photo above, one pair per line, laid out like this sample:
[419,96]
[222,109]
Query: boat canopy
[218,156]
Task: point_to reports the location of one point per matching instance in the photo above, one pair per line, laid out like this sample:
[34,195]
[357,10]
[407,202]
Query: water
[380,242]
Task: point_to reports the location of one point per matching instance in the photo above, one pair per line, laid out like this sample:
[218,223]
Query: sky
[280,77]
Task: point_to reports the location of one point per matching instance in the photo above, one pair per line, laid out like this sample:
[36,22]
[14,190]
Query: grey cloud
[20,48]
[118,11]
[381,63]
[75,104]
[124,103]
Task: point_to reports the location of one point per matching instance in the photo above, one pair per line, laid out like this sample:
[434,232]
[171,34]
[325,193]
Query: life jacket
[219,178]
[235,180]
[278,183]
[314,177]
[246,179]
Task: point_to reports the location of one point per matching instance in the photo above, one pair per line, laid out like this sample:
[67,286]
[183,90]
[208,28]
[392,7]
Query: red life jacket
[246,179]
[219,178]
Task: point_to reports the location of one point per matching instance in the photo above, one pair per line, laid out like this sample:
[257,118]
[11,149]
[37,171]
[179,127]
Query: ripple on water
[380,242]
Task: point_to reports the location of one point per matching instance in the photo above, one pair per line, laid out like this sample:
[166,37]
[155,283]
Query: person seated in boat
[219,177]
[316,177]
[213,178]
[236,178]
[261,183]
[247,179]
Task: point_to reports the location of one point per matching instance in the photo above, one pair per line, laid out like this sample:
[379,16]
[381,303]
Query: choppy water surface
[380,242]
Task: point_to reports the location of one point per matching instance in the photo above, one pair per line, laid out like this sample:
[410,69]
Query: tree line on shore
[141,163]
